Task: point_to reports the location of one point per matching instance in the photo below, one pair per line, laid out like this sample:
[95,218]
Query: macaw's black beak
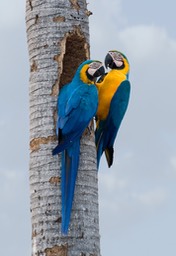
[109,62]
[99,72]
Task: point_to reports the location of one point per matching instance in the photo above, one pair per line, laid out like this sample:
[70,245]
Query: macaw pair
[78,102]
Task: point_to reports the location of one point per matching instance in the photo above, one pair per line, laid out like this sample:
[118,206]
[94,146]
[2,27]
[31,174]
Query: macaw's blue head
[89,70]
[117,60]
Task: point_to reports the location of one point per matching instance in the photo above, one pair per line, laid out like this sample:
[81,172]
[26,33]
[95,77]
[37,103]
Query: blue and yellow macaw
[77,104]
[113,96]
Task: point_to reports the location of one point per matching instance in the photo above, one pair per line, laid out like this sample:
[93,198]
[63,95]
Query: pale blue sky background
[138,194]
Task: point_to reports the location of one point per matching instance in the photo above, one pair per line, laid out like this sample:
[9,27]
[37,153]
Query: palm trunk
[58,41]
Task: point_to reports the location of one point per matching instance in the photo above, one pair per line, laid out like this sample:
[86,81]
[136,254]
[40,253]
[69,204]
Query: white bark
[58,41]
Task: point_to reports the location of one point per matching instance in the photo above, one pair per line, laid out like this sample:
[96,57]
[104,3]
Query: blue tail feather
[99,151]
[99,134]
[70,162]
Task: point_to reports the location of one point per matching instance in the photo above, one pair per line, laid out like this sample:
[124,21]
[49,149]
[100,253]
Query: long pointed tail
[109,153]
[99,141]
[103,142]
[99,153]
[70,162]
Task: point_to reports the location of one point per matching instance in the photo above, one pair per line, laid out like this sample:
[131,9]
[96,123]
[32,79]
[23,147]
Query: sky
[138,194]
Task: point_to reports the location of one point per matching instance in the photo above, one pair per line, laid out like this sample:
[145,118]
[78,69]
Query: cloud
[2,123]
[105,23]
[172,162]
[14,214]
[110,183]
[12,183]
[112,14]
[151,198]
[145,42]
[12,13]
[141,42]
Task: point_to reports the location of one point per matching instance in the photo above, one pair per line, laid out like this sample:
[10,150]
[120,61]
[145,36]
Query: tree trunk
[58,41]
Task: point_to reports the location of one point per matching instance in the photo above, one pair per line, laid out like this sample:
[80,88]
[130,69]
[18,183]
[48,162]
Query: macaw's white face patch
[117,58]
[93,67]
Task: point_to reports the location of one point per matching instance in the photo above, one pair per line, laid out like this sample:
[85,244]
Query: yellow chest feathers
[106,91]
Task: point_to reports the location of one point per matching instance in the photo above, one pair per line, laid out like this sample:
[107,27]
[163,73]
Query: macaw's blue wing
[68,140]
[106,131]
[70,162]
[75,115]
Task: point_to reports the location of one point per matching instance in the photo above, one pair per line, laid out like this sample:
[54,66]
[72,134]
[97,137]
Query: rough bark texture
[58,41]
